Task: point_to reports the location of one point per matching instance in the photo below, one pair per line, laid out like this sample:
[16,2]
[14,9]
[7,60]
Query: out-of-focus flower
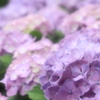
[41,47]
[17,8]
[72,72]
[41,21]
[22,74]
[10,41]
[27,23]
[54,16]
[3,97]
[87,16]
[72,5]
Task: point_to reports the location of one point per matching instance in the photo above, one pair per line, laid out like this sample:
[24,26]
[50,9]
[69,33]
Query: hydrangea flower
[57,15]
[76,4]
[72,72]
[17,8]
[3,97]
[9,41]
[22,74]
[40,21]
[41,47]
[87,16]
[27,23]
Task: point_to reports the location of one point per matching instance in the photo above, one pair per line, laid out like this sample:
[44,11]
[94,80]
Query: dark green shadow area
[19,97]
[37,34]
[55,36]
[3,3]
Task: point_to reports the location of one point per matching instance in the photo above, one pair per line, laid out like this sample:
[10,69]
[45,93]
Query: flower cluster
[57,16]
[73,72]
[73,5]
[41,47]
[41,21]
[87,16]
[22,74]
[10,41]
[17,8]
[27,23]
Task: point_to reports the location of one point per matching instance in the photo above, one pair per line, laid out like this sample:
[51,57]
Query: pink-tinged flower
[27,23]
[17,8]
[3,97]
[22,74]
[41,47]
[74,69]
[10,41]
[85,17]
[76,4]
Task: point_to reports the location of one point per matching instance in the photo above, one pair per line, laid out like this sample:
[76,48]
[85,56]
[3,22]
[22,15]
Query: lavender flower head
[57,16]
[73,72]
[17,8]
[28,23]
[87,16]
[22,74]
[41,47]
[10,41]
[73,5]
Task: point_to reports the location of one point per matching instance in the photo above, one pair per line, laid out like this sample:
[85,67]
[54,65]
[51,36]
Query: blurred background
[36,27]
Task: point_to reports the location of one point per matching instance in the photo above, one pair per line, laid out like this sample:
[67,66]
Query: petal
[12,91]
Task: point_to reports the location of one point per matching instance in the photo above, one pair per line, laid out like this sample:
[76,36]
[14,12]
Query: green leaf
[56,37]
[36,93]
[3,3]
[13,98]
[36,34]
[5,60]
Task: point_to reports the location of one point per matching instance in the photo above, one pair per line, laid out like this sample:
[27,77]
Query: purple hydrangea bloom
[72,72]
[41,47]
[87,16]
[28,23]
[22,74]
[73,5]
[57,16]
[10,41]
[40,21]
[17,8]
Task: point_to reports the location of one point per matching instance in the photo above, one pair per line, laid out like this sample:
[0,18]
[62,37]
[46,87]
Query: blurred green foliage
[56,36]
[37,34]
[3,3]
[19,97]
[5,60]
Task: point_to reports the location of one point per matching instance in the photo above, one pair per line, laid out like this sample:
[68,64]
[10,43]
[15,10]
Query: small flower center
[69,92]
